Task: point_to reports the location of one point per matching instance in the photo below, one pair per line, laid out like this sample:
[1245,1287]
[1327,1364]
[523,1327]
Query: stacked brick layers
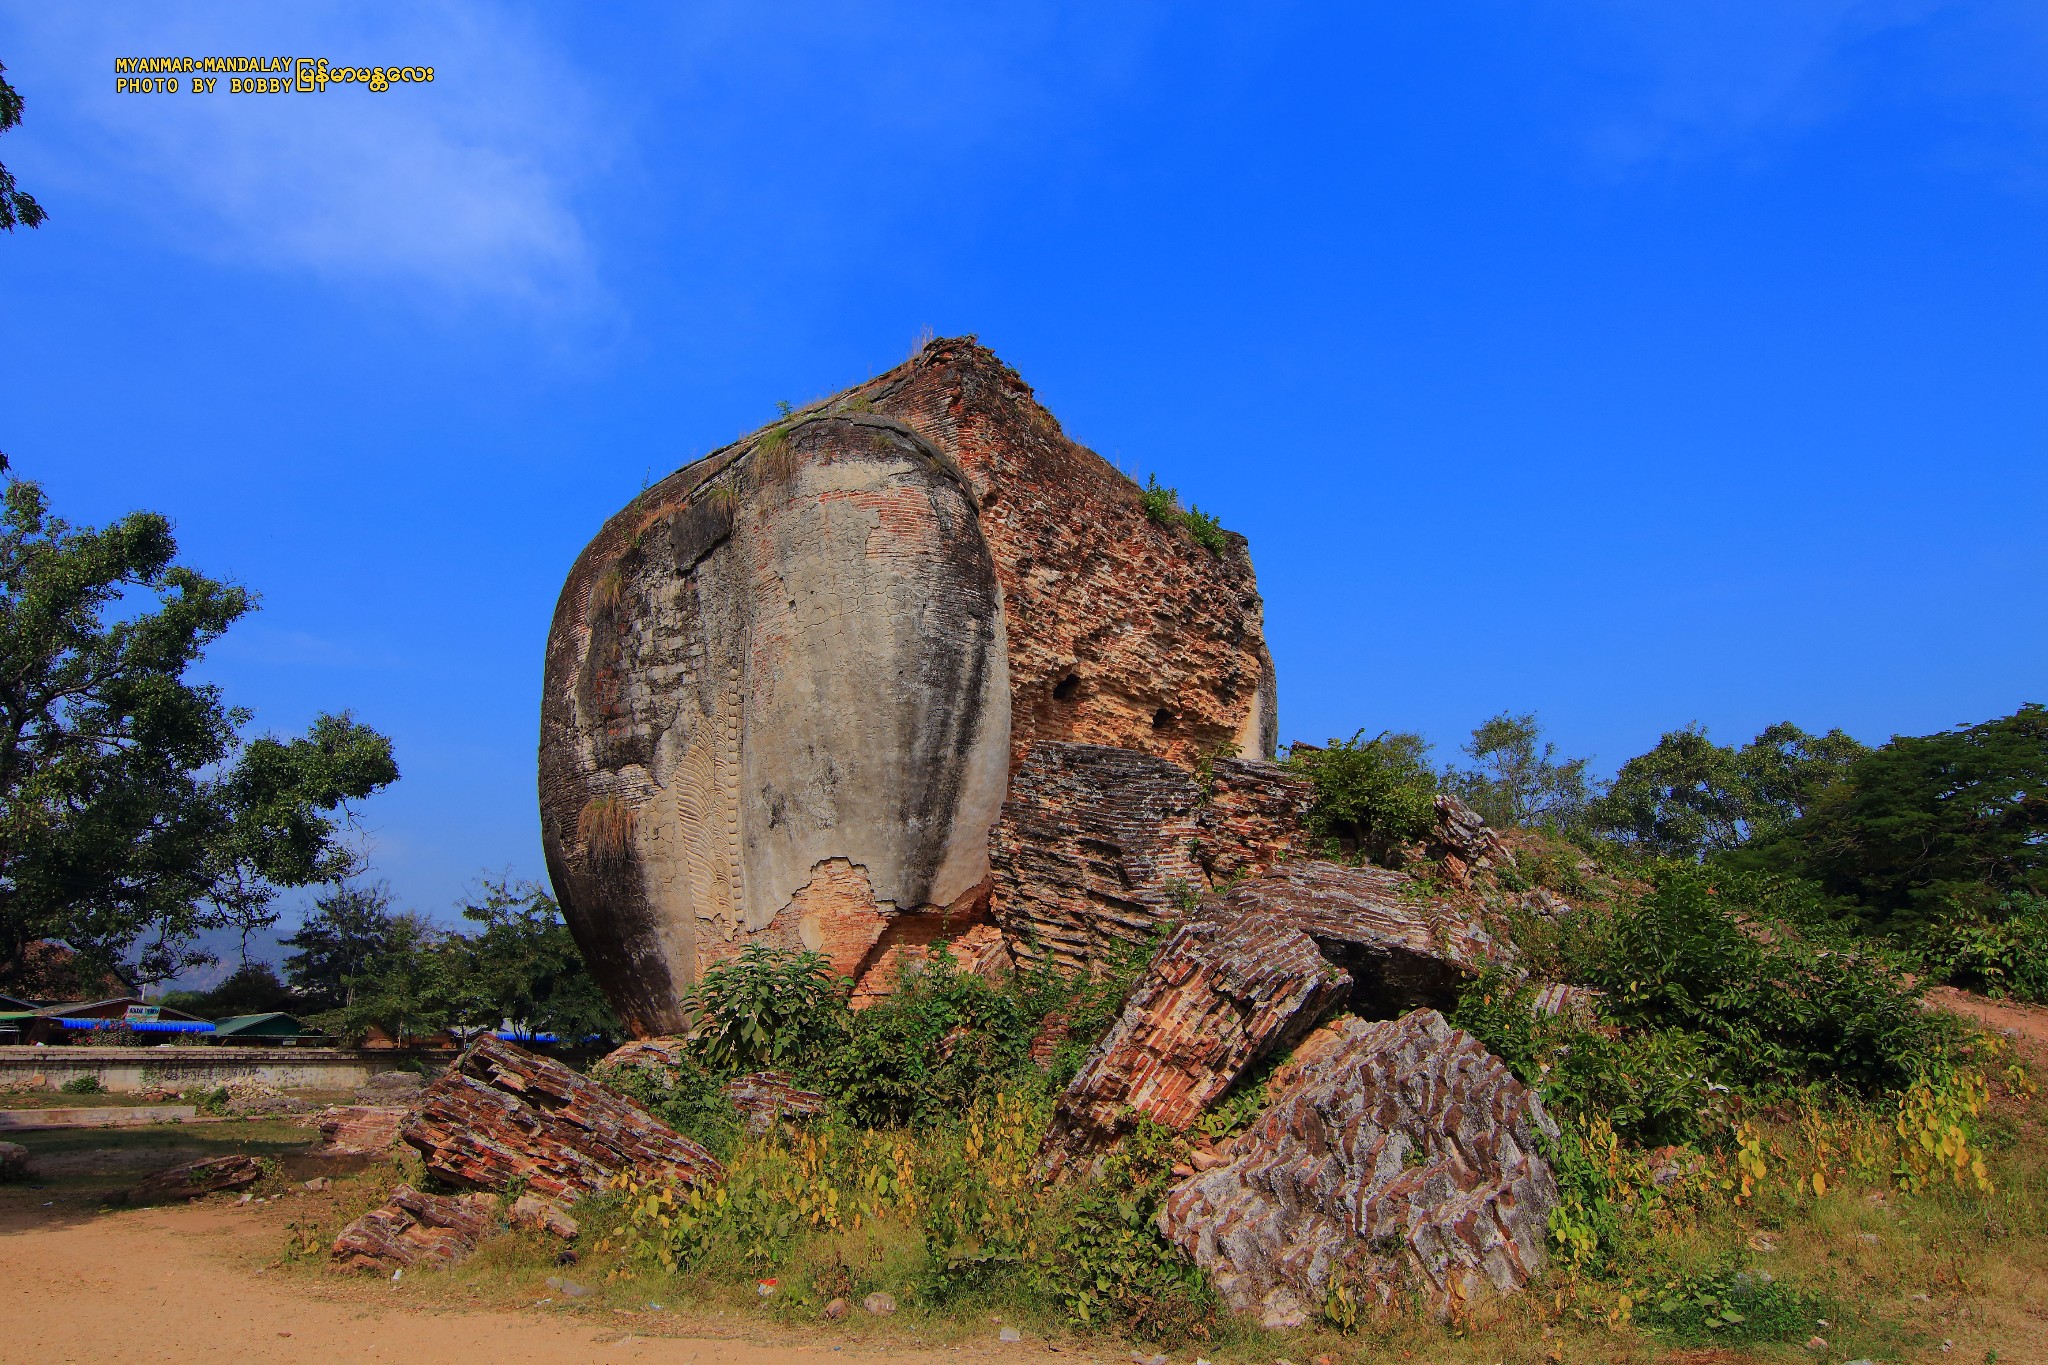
[1396,1155]
[786,688]
[1099,847]
[501,1115]
[1402,947]
[1220,996]
[416,1229]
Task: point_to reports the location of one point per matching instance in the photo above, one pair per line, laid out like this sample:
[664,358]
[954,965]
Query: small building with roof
[92,1020]
[274,1029]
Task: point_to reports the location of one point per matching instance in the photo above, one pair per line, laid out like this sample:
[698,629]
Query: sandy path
[2028,1023]
[179,1285]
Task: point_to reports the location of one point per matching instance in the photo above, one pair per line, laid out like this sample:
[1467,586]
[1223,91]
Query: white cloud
[466,186]
[1719,75]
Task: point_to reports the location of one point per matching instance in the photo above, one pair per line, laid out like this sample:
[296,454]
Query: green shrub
[1205,530]
[688,1098]
[1653,1086]
[1740,962]
[1088,1003]
[767,1007]
[927,1051]
[1110,1268]
[2004,953]
[1730,1306]
[1371,795]
[82,1085]
[1162,507]
[214,1103]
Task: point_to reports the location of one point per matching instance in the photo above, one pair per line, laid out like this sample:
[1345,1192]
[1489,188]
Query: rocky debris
[1540,902]
[765,1098]
[1395,1154]
[1400,948]
[881,1305]
[1052,1034]
[535,1214]
[413,1228]
[196,1178]
[1463,842]
[1253,818]
[391,1087]
[396,1080]
[1574,1004]
[502,1114]
[1219,996]
[658,1055]
[883,603]
[248,1097]
[358,1129]
[1093,853]
[14,1163]
[837,1309]
[317,1185]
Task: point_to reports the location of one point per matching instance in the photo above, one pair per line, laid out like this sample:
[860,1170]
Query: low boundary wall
[128,1069]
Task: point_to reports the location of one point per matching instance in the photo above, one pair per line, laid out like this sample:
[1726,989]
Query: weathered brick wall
[1122,632]
[1093,848]
[1253,818]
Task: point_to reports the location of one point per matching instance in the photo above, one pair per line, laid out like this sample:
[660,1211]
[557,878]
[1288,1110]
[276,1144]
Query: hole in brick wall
[1161,718]
[1066,687]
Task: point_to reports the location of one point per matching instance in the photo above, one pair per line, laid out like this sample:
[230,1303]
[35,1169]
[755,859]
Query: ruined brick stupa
[907,663]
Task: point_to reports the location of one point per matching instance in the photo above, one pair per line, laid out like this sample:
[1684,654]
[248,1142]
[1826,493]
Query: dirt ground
[2027,1024]
[180,1284]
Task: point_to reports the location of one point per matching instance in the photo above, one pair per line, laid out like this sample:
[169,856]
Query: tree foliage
[1690,797]
[1517,777]
[132,811]
[367,967]
[16,205]
[1929,825]
[1373,796]
[349,926]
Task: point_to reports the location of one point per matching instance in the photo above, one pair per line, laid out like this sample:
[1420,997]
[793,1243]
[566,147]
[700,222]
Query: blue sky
[1633,364]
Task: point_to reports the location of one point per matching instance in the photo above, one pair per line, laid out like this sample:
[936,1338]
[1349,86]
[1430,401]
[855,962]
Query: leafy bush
[1372,795]
[1652,1087]
[927,1051]
[1110,1268]
[214,1103]
[1729,960]
[2003,953]
[82,1085]
[768,1007]
[1088,1004]
[1205,530]
[1162,507]
[1730,1306]
[687,1097]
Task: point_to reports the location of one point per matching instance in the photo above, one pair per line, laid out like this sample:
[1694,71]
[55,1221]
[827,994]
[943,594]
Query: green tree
[16,206]
[1930,825]
[1690,797]
[252,988]
[526,967]
[418,983]
[132,812]
[1517,777]
[349,926]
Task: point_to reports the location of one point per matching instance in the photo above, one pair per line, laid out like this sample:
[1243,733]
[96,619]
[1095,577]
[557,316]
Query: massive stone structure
[788,687]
